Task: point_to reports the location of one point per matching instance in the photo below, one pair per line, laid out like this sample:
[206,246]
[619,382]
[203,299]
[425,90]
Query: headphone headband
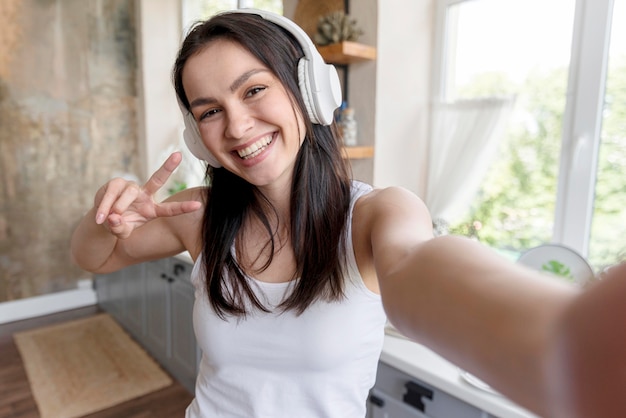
[303,39]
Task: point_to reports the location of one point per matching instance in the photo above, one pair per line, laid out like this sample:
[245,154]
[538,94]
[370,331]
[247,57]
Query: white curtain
[463,142]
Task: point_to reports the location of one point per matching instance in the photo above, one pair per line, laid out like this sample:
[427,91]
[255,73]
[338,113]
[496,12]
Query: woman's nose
[239,122]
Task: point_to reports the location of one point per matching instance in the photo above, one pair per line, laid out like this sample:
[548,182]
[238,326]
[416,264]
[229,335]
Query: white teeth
[256,148]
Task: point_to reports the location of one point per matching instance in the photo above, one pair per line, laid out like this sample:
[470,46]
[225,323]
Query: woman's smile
[256,148]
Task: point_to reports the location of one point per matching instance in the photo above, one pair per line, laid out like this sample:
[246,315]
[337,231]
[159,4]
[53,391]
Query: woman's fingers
[177,208]
[128,196]
[117,226]
[112,192]
[159,178]
[123,205]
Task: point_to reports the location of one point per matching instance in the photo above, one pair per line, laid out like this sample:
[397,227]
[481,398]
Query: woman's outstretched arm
[522,332]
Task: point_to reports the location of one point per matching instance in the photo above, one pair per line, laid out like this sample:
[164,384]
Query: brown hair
[320,195]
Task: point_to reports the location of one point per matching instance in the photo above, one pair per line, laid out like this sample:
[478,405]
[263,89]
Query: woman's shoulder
[392,209]
[392,197]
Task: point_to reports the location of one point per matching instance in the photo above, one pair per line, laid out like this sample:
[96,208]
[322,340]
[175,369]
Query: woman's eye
[255,90]
[208,113]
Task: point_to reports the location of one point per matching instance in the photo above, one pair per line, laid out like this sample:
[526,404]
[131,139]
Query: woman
[297,268]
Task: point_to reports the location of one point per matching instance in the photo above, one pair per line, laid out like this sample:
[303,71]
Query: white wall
[159,33]
[405,30]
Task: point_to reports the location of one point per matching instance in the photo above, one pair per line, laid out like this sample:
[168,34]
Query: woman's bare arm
[127,226]
[496,319]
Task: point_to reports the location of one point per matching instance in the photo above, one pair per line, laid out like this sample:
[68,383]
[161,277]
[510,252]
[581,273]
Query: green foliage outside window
[514,208]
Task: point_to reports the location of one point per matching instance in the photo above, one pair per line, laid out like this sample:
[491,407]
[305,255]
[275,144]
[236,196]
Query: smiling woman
[298,267]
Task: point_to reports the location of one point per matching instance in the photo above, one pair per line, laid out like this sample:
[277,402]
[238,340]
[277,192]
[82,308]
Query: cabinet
[398,395]
[153,301]
[121,295]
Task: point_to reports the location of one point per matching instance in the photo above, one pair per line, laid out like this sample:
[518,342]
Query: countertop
[424,364]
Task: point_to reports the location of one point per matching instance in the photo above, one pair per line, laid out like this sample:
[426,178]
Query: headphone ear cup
[193,140]
[305,90]
[320,89]
[328,95]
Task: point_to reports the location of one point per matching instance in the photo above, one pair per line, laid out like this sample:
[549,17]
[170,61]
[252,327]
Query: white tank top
[320,364]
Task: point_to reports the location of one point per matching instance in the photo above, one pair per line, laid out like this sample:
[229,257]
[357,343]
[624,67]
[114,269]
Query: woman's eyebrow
[244,77]
[200,101]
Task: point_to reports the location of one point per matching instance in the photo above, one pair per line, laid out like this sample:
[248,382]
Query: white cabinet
[153,301]
[398,395]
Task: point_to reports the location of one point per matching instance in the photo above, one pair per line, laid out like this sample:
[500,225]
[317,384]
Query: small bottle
[339,112]
[348,127]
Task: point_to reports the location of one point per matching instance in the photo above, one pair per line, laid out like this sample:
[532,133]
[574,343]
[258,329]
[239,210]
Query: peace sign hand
[123,206]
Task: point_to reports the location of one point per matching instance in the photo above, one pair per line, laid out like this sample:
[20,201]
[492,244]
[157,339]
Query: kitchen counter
[424,364]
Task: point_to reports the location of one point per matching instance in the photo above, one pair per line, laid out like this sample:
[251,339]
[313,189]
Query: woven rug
[86,365]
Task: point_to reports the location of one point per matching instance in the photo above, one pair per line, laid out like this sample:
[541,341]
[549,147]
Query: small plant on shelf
[336,27]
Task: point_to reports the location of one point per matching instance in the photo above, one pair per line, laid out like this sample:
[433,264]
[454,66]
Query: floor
[16,399]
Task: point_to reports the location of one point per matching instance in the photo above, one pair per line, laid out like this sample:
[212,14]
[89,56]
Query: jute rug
[86,365]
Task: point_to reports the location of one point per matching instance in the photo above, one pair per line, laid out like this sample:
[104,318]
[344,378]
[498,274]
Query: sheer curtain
[463,142]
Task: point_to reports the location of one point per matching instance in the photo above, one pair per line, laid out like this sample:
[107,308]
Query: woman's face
[245,116]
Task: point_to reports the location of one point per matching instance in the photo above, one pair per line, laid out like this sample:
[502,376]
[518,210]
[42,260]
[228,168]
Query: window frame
[582,119]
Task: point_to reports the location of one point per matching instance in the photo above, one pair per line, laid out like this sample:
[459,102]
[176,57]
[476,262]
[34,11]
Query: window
[608,226]
[201,9]
[566,69]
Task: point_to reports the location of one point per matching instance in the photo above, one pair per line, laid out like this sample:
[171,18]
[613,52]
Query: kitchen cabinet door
[382,405]
[398,395]
[185,352]
[158,314]
[122,295]
[110,293]
[133,318]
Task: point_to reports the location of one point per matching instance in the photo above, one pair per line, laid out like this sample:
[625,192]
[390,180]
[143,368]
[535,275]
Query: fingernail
[100,218]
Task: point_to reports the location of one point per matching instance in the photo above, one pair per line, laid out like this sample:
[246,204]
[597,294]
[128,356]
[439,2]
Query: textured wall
[67,123]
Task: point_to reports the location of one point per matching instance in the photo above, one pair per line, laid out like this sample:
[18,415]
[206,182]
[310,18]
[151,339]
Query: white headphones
[318,81]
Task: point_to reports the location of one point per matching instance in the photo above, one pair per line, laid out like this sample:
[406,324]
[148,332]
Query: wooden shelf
[355,153]
[347,52]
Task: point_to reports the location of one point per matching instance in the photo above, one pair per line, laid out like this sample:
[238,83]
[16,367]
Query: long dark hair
[320,195]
